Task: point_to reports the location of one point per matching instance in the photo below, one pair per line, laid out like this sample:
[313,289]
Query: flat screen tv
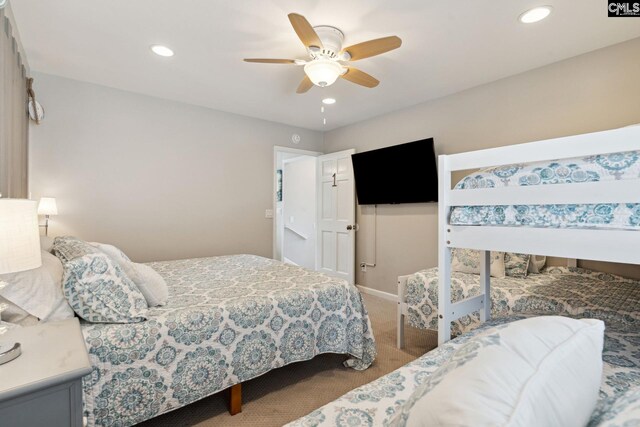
[404,173]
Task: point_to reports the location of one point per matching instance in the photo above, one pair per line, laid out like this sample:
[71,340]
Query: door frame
[281,149]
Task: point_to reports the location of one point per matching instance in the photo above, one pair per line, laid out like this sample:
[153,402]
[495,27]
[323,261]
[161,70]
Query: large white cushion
[39,291]
[151,284]
[541,371]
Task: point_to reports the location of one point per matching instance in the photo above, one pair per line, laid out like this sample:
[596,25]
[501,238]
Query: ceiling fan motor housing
[331,38]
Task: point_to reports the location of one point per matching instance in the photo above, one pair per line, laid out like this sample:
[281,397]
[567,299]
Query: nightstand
[43,386]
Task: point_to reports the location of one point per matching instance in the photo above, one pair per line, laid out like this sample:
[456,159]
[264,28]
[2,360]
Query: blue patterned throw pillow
[516,265]
[96,287]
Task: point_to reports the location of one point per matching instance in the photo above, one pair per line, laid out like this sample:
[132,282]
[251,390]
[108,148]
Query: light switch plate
[268,213]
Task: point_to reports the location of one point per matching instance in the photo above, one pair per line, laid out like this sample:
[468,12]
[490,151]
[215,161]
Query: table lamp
[19,251]
[47,207]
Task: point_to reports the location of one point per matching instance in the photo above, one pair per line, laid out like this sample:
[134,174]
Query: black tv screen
[404,173]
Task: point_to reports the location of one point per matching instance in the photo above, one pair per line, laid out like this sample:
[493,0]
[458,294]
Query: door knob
[349,227]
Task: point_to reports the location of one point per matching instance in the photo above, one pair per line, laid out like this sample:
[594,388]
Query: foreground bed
[378,402]
[229,319]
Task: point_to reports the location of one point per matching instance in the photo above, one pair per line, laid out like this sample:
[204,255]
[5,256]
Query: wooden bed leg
[235,399]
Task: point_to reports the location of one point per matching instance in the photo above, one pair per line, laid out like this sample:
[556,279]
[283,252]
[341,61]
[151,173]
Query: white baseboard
[288,261]
[377,293]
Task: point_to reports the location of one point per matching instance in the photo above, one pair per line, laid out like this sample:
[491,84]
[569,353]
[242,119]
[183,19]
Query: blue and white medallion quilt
[229,319]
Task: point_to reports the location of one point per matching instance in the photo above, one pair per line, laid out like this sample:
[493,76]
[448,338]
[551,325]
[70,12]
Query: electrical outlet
[268,213]
[363,267]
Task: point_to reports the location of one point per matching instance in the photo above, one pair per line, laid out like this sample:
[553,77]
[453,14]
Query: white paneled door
[336,242]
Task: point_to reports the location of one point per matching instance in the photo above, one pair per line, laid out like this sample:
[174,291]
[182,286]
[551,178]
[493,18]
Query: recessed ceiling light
[534,15]
[329,101]
[158,49]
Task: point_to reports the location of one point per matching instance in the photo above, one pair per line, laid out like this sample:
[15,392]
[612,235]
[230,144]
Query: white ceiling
[448,46]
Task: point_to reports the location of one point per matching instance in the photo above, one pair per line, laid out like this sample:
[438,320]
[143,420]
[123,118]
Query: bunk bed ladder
[447,310]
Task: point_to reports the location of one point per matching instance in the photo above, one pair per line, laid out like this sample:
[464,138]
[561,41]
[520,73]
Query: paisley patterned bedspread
[574,292]
[229,319]
[375,404]
[609,167]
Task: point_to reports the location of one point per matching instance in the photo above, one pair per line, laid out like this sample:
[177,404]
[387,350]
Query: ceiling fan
[324,45]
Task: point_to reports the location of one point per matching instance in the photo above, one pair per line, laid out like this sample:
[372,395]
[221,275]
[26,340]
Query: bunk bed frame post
[402,281]
[485,285]
[444,251]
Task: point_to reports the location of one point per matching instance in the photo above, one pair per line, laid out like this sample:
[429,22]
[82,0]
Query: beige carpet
[288,393]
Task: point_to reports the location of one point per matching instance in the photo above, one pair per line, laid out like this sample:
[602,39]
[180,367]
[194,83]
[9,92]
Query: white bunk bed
[613,245]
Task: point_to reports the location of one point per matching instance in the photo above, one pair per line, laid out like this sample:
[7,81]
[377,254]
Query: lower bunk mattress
[376,403]
[228,319]
[562,291]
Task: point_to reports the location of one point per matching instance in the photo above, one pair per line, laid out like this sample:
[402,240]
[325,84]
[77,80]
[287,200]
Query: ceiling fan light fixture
[323,72]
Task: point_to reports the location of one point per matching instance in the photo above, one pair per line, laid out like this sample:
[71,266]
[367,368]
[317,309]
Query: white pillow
[14,314]
[468,261]
[119,258]
[46,243]
[540,371]
[152,285]
[536,263]
[39,291]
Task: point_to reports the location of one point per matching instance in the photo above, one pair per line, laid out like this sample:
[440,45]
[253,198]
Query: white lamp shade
[323,72]
[47,206]
[19,236]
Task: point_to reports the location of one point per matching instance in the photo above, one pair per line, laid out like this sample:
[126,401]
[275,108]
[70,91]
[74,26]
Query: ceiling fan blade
[360,77]
[270,61]
[372,47]
[305,31]
[305,85]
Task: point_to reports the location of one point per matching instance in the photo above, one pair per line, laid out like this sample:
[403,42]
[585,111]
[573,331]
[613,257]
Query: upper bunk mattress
[609,167]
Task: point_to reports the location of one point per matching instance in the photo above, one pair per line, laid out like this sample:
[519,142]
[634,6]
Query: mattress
[563,291]
[228,319]
[376,403]
[610,167]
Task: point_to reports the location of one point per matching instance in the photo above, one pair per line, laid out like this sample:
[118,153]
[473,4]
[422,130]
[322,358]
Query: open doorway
[295,206]
[314,211]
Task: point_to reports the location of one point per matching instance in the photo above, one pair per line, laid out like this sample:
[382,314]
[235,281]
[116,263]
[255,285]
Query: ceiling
[447,47]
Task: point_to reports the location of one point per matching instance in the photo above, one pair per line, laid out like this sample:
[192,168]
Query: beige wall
[157,178]
[592,92]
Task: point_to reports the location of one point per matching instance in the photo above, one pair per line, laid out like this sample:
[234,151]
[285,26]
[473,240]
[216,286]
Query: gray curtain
[14,118]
